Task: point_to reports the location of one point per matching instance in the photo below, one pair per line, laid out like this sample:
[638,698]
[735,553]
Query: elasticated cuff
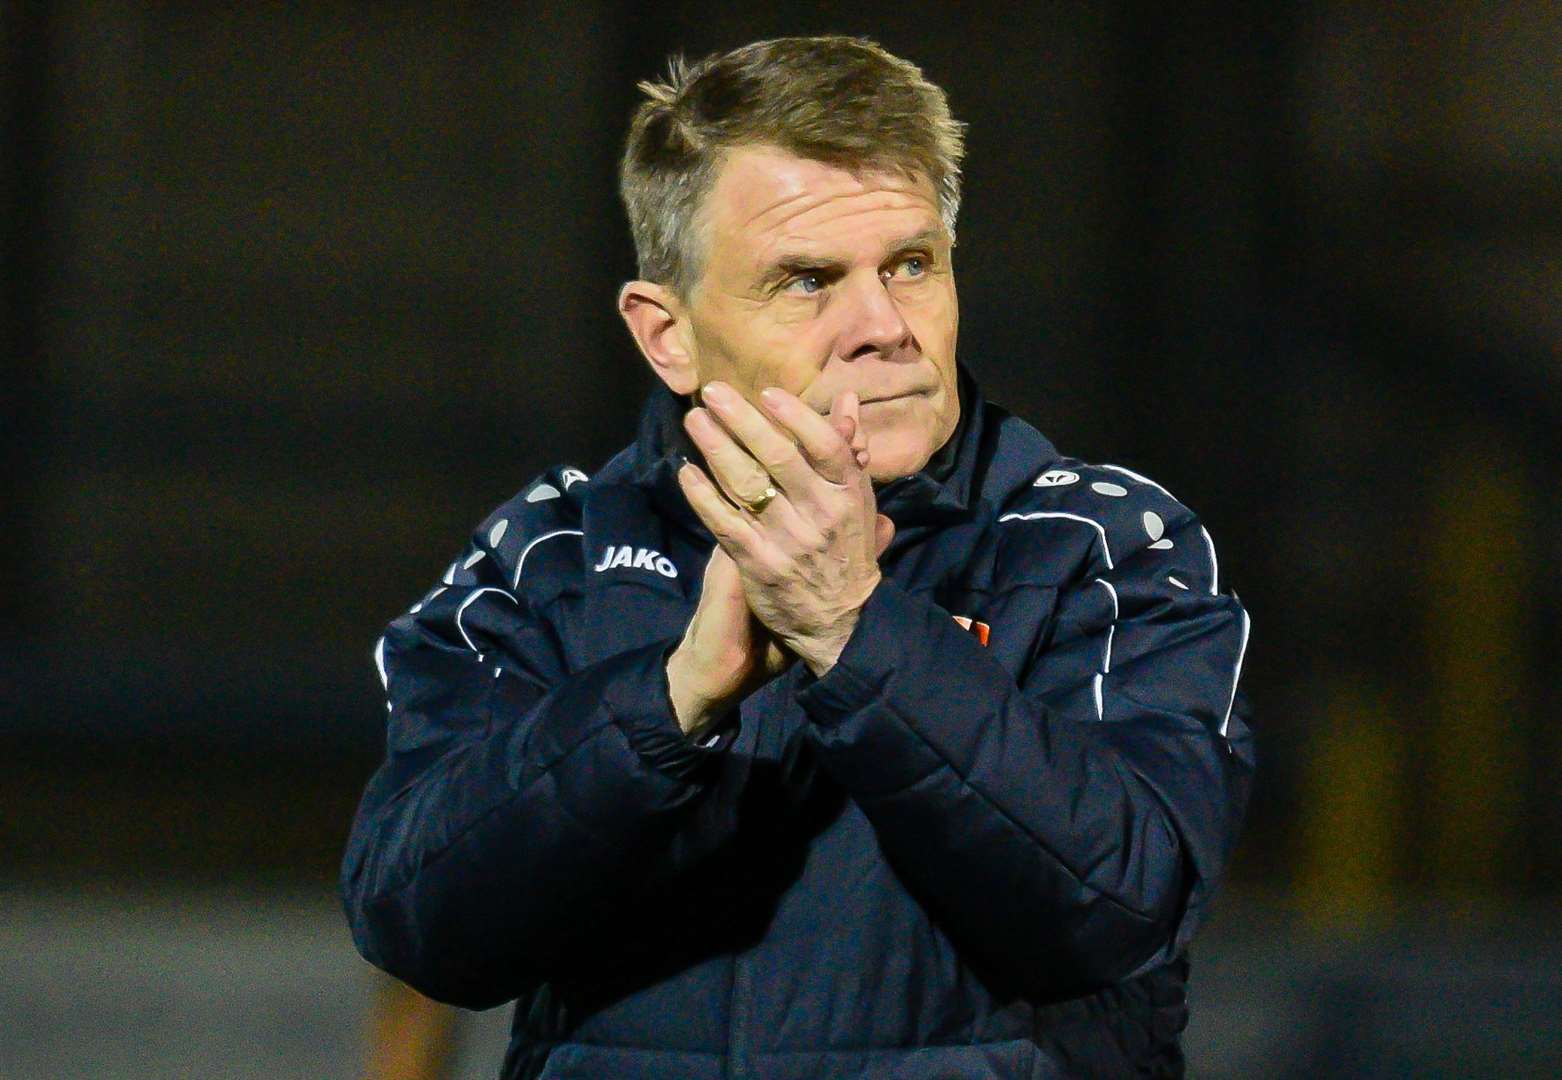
[635,694]
[872,654]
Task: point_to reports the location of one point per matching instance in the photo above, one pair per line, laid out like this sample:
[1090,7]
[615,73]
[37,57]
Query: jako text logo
[635,558]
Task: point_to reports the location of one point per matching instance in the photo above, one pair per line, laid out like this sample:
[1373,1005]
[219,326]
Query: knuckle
[833,441]
[772,460]
[804,538]
[771,568]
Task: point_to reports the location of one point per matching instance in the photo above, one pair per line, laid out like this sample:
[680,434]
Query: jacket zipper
[739,1021]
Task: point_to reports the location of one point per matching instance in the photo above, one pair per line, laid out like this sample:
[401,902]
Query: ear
[659,325]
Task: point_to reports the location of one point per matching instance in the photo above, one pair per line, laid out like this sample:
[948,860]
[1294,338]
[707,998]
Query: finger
[721,593]
[752,542]
[820,437]
[743,483]
[850,424]
[721,577]
[733,531]
[852,433]
[767,443]
[859,441]
[883,533]
[849,407]
[844,426]
[861,453]
[742,479]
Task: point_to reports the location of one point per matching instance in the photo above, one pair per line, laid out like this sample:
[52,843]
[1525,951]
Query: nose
[873,322]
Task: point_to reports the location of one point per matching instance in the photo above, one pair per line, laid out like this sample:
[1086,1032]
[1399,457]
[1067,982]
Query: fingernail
[718,392]
[770,395]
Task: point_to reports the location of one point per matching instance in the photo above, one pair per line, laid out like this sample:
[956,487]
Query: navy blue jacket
[976,847]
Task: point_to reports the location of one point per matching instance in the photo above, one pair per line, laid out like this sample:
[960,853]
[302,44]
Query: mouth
[884,398]
[875,399]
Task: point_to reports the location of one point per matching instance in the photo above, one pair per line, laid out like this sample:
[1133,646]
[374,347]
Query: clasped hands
[790,503]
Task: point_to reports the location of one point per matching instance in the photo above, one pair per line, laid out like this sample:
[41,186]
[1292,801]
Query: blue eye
[912,266]
[807,284]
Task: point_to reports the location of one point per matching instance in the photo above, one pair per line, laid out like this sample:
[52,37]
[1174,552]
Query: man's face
[820,281]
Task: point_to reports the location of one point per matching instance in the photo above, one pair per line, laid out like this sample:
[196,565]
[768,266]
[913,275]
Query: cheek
[791,356]
[753,353]
[935,318]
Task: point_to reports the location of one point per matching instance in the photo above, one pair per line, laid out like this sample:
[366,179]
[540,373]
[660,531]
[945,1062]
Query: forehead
[766,199]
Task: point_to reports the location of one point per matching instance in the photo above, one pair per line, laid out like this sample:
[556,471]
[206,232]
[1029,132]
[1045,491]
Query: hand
[808,559]
[725,653]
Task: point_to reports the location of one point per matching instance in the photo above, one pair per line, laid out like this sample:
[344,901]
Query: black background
[294,295]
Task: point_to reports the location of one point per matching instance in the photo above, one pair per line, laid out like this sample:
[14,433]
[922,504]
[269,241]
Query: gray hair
[841,101]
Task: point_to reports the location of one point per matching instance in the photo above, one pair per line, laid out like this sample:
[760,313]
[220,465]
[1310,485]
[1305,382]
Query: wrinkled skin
[834,292]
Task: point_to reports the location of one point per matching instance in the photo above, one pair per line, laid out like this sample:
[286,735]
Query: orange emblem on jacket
[980,629]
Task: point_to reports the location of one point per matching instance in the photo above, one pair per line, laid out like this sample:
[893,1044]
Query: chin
[892,456]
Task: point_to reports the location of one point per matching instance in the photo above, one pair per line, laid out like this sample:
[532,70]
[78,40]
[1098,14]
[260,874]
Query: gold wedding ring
[765,499]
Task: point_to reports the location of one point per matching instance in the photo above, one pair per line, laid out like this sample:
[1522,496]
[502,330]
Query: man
[838,726]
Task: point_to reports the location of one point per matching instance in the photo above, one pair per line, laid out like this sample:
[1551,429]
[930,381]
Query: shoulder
[534,535]
[1122,516]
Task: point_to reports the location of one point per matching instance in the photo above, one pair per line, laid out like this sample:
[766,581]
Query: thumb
[723,583]
[845,417]
[844,424]
[883,533]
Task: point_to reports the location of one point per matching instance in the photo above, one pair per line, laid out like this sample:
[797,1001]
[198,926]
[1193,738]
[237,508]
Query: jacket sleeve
[519,807]
[1067,826]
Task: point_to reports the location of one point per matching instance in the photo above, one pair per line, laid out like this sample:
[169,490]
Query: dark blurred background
[294,294]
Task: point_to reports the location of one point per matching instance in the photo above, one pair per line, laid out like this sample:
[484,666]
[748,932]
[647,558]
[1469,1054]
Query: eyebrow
[927,238]
[793,263]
